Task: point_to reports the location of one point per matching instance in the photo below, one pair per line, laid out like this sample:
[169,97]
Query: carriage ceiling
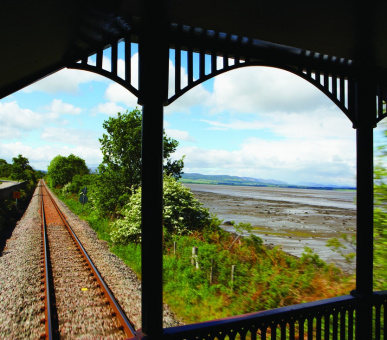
[42,36]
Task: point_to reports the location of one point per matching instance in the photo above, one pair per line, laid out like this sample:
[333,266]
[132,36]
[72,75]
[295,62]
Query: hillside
[195,178]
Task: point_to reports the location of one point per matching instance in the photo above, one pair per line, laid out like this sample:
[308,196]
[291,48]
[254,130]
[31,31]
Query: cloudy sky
[256,121]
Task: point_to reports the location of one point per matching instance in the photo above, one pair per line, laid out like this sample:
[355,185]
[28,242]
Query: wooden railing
[333,319]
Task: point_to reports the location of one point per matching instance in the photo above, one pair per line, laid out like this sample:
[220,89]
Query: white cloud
[11,115]
[264,89]
[290,160]
[118,94]
[179,135]
[65,80]
[198,96]
[321,123]
[194,97]
[58,107]
[236,125]
[109,108]
[15,120]
[69,136]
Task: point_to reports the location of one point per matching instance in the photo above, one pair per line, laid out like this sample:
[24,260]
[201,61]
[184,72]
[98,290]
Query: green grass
[264,278]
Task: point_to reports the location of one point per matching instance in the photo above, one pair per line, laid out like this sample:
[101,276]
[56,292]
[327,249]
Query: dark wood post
[365,120]
[366,111]
[153,81]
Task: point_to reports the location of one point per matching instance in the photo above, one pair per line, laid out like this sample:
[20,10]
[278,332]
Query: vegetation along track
[78,302]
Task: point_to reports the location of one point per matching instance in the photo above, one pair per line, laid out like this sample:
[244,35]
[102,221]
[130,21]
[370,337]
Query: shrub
[182,214]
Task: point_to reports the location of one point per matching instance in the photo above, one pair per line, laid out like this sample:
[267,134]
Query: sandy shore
[290,218]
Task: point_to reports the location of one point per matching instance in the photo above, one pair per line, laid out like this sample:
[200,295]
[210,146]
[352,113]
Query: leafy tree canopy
[21,169]
[5,169]
[62,169]
[120,170]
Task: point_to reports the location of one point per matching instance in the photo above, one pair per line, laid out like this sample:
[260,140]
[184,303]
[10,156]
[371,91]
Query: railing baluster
[309,72]
[318,76]
[291,330]
[225,60]
[318,327]
[177,69]
[254,333]
[190,66]
[350,325]
[377,322]
[213,62]
[342,324]
[335,326]
[326,326]
[283,331]
[310,328]
[334,86]
[114,58]
[128,60]
[301,328]
[273,330]
[99,59]
[326,80]
[342,90]
[202,64]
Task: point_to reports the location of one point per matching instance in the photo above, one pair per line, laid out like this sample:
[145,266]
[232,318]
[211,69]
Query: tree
[5,169]
[20,168]
[62,169]
[120,170]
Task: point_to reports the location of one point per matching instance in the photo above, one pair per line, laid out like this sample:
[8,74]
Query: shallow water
[290,218]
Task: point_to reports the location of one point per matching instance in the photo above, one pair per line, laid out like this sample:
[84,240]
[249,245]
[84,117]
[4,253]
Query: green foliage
[5,169]
[380,249]
[120,170]
[21,170]
[80,181]
[121,149]
[310,257]
[380,219]
[182,214]
[62,169]
[341,245]
[264,278]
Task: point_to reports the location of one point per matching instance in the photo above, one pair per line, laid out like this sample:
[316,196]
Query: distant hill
[196,178]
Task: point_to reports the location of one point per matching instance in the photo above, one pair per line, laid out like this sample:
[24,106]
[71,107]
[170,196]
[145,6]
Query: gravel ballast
[21,307]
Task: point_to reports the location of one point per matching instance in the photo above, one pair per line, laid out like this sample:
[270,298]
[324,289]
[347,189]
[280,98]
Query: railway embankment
[21,299]
[20,306]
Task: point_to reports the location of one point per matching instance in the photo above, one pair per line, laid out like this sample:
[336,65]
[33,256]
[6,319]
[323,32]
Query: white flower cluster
[182,213]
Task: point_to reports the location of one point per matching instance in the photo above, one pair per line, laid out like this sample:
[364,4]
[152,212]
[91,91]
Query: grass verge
[202,287]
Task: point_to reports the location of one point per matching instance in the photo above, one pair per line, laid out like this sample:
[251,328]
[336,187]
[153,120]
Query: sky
[251,122]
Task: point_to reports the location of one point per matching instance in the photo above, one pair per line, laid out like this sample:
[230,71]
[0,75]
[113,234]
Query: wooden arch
[335,77]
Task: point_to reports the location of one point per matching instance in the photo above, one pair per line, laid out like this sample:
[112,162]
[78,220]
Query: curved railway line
[78,303]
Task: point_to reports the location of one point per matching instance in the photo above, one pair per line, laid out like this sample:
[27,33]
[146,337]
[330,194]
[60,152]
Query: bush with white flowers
[183,213]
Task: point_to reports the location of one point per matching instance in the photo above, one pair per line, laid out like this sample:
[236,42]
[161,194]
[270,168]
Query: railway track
[78,303]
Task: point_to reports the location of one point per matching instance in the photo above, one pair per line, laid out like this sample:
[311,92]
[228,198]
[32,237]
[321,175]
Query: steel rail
[47,301]
[125,322]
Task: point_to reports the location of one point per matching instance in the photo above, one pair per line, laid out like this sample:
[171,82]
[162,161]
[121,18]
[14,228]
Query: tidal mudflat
[290,218]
